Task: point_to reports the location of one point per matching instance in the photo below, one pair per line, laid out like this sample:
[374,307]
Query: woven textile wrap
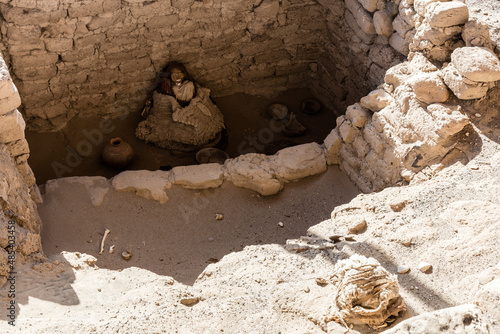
[169,125]
[366,293]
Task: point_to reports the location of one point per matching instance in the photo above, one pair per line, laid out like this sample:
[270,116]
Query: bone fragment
[103,239]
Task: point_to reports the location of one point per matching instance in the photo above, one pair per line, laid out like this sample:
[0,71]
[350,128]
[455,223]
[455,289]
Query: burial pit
[398,82]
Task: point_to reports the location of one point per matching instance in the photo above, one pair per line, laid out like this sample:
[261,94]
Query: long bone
[103,239]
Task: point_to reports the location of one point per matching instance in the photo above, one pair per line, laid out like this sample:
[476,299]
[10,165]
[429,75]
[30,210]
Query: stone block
[12,126]
[446,14]
[421,5]
[370,134]
[9,96]
[419,63]
[58,44]
[476,33]
[347,157]
[362,17]
[399,44]
[332,145]
[18,147]
[357,115]
[382,55]
[85,8]
[360,146]
[429,87]
[198,176]
[383,23]
[253,171]
[437,36]
[182,4]
[147,184]
[488,299]
[45,59]
[376,100]
[464,91]
[293,163]
[476,63]
[401,27]
[89,40]
[356,29]
[369,5]
[448,119]
[25,34]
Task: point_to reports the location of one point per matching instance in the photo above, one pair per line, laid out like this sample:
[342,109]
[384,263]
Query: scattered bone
[219,216]
[126,255]
[280,224]
[111,249]
[103,240]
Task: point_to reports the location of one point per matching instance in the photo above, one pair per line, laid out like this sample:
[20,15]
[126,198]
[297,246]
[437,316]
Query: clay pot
[117,154]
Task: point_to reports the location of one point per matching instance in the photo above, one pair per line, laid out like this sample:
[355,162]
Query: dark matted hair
[165,81]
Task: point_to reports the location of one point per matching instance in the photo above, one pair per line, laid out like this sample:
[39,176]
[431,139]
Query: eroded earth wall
[20,225]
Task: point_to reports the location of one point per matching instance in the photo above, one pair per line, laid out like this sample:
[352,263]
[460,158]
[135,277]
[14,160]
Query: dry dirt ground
[183,278]
[448,218]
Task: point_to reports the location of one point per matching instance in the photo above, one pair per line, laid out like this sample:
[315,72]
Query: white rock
[254,171]
[198,176]
[399,44]
[448,118]
[376,100]
[476,63]
[363,18]
[147,184]
[382,23]
[464,91]
[447,14]
[293,163]
[421,5]
[488,299]
[429,88]
[332,145]
[424,266]
[420,63]
[357,115]
[402,269]
[461,319]
[12,126]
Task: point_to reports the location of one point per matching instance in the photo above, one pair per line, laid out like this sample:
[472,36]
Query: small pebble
[424,267]
[349,238]
[219,216]
[210,239]
[189,301]
[321,281]
[280,224]
[335,238]
[403,269]
[358,227]
[477,114]
[474,167]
